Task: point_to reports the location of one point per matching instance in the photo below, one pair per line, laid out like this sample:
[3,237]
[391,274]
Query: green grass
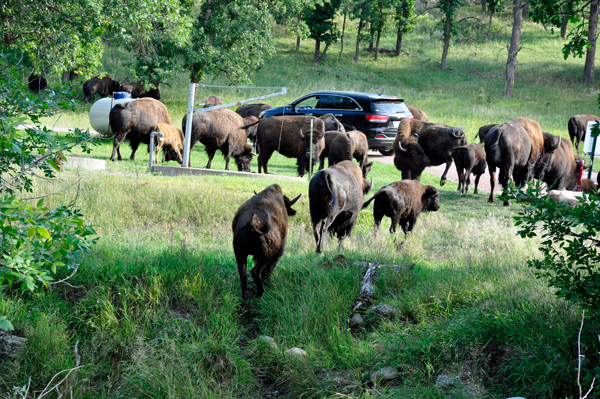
[158,314]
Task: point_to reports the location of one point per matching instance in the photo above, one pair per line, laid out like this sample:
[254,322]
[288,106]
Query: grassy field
[157,313]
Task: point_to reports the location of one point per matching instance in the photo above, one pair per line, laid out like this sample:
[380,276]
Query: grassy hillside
[157,308]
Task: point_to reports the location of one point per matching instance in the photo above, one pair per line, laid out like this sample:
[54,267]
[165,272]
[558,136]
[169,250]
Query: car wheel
[386,152]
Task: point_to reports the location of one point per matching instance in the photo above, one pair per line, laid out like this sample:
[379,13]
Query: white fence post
[188,126]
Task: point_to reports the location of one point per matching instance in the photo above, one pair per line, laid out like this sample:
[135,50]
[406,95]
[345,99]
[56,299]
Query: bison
[171,144]
[562,171]
[37,83]
[339,145]
[221,129]
[136,90]
[336,195]
[418,114]
[290,136]
[332,124]
[360,150]
[577,127]
[469,159]
[104,86]
[134,119]
[251,126]
[252,110]
[403,201]
[483,131]
[517,148]
[260,228]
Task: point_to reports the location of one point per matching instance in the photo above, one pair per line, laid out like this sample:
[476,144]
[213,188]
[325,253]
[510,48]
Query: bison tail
[368,202]
[328,181]
[261,223]
[250,125]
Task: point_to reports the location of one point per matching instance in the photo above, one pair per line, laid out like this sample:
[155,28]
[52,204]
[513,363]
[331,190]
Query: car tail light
[380,136]
[408,117]
[377,118]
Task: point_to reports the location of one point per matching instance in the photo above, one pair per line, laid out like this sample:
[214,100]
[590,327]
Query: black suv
[376,115]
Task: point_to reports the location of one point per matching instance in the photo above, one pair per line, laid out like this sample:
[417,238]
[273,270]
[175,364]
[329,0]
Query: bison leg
[242,262]
[505,174]
[458,172]
[256,271]
[492,182]
[135,143]
[477,177]
[377,215]
[448,164]
[266,273]
[467,176]
[263,159]
[319,231]
[118,140]
[210,151]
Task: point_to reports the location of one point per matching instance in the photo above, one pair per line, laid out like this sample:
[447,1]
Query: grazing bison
[577,126]
[171,144]
[260,228]
[418,114]
[360,150]
[137,90]
[469,159]
[37,83]
[517,148]
[336,195]
[403,201]
[252,110]
[290,136]
[221,129]
[337,144]
[134,119]
[483,131]
[104,86]
[562,171]
[332,124]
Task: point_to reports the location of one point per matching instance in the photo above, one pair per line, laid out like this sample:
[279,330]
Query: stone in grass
[356,320]
[268,341]
[296,352]
[385,374]
[445,381]
[385,310]
[11,345]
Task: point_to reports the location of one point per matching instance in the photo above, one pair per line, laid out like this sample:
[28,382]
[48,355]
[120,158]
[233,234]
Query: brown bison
[577,127]
[104,86]
[332,124]
[469,159]
[247,110]
[290,136]
[409,157]
[137,90]
[134,119]
[221,129]
[418,114]
[336,195]
[360,150]
[562,171]
[37,83]
[517,148]
[483,131]
[403,201]
[251,126]
[171,144]
[260,228]
[340,147]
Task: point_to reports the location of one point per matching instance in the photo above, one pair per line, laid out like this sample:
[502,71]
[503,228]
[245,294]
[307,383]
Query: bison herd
[518,149]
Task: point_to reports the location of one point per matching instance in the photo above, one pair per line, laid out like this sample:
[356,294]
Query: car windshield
[390,107]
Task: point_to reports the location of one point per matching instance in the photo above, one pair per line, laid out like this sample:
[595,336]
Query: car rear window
[389,107]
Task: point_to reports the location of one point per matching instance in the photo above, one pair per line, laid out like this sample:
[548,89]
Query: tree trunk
[377,44]
[491,14]
[563,27]
[483,4]
[298,37]
[317,49]
[511,62]
[447,31]
[588,71]
[360,23]
[342,39]
[399,41]
[371,36]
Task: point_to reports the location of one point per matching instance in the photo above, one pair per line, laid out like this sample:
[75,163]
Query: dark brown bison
[104,86]
[37,83]
[403,201]
[247,110]
[137,90]
[336,195]
[341,150]
[251,126]
[409,157]
[517,148]
[134,120]
[260,228]
[418,114]
[469,159]
[484,130]
[221,129]
[562,172]
[290,136]
[332,124]
[360,150]
[577,127]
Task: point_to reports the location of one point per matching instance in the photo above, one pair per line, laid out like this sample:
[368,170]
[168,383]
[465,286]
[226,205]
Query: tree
[290,13]
[448,8]
[360,11]
[405,20]
[513,50]
[321,26]
[493,6]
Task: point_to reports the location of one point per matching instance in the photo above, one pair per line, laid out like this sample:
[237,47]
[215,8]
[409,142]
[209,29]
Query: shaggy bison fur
[171,144]
[469,159]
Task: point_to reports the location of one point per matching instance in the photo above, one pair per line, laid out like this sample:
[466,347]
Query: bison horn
[292,202]
[554,147]
[400,147]
[588,165]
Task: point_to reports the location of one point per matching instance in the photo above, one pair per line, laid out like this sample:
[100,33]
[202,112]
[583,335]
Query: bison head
[430,199]
[410,158]
[289,203]
[366,168]
[244,159]
[173,154]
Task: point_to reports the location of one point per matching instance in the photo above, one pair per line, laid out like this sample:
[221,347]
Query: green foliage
[405,15]
[449,9]
[570,238]
[5,324]
[320,22]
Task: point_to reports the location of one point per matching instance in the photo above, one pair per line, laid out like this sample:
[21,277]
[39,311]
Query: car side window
[330,102]
[349,103]
[308,103]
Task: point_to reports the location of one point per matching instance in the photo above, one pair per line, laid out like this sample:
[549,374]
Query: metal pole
[310,151]
[188,126]
[592,157]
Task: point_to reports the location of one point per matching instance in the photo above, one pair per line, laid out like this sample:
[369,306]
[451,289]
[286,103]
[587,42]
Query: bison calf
[403,201]
[336,195]
[469,159]
[171,144]
[260,229]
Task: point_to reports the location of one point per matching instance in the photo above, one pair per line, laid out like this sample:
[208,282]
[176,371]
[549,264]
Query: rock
[268,340]
[296,352]
[385,310]
[386,373]
[356,320]
[445,381]
[11,345]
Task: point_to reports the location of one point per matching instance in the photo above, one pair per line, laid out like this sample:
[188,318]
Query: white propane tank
[100,111]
